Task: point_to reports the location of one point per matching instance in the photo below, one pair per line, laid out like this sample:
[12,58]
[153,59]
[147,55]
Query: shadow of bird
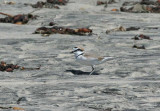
[79,72]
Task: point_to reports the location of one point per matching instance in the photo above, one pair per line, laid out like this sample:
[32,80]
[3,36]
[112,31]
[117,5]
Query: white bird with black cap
[88,59]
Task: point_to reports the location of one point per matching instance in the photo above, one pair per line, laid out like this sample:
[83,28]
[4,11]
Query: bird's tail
[107,59]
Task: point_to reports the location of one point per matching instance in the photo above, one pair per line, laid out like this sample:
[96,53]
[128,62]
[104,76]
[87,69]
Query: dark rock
[132,28]
[141,36]
[59,2]
[139,47]
[51,23]
[21,99]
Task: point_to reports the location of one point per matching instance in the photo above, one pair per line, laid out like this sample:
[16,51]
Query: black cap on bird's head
[75,49]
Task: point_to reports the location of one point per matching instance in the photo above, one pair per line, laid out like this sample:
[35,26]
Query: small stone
[21,99]
[139,47]
[51,23]
[17,108]
[114,9]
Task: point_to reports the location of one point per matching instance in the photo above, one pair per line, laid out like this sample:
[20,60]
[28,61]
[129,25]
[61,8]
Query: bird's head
[77,49]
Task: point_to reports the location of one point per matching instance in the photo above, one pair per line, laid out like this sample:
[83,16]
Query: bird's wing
[99,58]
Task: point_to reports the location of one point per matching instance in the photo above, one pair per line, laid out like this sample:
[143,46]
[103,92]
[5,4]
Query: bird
[88,59]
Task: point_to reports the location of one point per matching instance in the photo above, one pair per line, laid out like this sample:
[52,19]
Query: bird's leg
[92,70]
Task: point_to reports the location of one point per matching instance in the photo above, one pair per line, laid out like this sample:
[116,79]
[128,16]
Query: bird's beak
[71,52]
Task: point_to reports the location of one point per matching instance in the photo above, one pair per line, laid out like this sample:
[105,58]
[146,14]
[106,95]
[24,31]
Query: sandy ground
[130,82]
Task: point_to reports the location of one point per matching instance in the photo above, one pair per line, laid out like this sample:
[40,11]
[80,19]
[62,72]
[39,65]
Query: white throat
[78,53]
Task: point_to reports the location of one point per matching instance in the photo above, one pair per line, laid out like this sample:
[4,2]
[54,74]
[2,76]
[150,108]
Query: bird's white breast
[87,60]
